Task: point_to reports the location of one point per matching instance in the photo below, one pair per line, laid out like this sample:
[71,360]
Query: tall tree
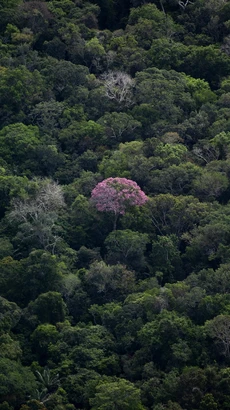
[116,195]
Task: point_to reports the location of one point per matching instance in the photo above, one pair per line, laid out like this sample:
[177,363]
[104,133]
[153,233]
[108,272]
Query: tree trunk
[115,222]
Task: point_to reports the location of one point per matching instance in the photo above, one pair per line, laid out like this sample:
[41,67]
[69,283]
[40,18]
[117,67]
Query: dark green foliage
[48,307]
[17,382]
[108,282]
[10,314]
[136,318]
[25,280]
[20,89]
[127,247]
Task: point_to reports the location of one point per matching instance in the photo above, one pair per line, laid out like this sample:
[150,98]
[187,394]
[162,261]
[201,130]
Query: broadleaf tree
[116,195]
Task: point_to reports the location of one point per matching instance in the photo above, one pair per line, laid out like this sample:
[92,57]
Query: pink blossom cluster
[116,194]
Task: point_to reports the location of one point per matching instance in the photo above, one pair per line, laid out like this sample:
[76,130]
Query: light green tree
[116,395]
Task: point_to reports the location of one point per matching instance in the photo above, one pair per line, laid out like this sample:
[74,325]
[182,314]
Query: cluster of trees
[114,205]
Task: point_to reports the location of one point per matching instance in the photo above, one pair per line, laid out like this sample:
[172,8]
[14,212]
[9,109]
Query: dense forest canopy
[115,205]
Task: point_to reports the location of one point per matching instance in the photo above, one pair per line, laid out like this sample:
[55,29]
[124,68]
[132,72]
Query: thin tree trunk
[115,222]
[162,7]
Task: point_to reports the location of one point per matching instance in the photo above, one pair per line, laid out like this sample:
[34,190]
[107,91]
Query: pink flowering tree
[116,195]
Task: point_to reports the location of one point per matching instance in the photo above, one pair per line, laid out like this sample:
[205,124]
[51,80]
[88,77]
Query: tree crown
[116,194]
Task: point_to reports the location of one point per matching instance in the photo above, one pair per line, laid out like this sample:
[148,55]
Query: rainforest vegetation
[115,205]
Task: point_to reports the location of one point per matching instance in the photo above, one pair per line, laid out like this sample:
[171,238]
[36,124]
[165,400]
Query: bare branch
[37,216]
[184,4]
[118,86]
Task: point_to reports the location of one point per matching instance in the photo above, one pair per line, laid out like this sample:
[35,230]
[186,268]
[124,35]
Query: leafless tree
[206,152]
[118,86]
[37,216]
[49,197]
[219,329]
[226,45]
